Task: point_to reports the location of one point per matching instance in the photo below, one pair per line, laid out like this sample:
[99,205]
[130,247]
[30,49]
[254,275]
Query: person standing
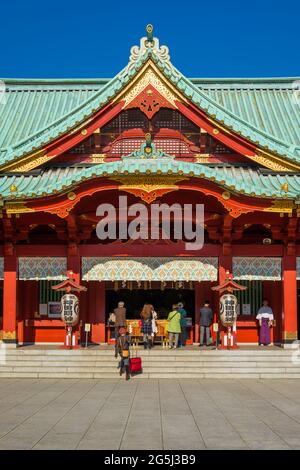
[120,322]
[174,327]
[206,318]
[154,326]
[123,349]
[146,329]
[183,334]
[265,318]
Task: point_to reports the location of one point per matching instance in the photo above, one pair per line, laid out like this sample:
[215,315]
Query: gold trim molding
[28,163]
[281,206]
[272,162]
[148,183]
[17,208]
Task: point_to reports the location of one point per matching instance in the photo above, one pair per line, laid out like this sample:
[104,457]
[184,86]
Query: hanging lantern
[228,309]
[70,309]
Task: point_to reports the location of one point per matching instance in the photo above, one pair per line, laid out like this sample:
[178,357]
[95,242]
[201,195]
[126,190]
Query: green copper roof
[264,111]
[244,180]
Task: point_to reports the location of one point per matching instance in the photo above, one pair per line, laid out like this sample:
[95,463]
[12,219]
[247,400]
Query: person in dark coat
[120,321]
[206,319]
[123,349]
[183,334]
[146,316]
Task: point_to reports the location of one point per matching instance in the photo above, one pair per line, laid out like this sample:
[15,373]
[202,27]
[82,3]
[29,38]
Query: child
[123,348]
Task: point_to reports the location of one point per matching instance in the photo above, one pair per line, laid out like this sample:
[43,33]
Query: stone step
[157,363]
[145,375]
[73,355]
[166,369]
[23,352]
[163,364]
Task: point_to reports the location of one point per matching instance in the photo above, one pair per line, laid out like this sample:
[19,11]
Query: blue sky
[208,38]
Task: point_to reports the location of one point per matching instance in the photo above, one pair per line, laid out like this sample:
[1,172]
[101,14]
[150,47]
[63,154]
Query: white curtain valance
[257,268]
[150,269]
[37,268]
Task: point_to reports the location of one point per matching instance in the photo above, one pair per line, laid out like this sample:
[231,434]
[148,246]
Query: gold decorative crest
[150,76]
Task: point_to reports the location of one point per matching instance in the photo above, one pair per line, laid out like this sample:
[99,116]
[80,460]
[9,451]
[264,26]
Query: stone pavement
[149,414]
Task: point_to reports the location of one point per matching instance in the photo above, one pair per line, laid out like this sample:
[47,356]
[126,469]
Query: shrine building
[155,136]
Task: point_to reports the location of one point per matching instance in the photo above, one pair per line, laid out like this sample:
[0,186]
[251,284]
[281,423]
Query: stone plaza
[153,414]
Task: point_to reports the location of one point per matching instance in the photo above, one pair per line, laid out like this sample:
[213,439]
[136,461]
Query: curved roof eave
[240,180]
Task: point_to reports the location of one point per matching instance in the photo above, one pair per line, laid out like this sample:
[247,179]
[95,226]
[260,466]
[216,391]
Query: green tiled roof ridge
[243,180]
[195,80]
[76,116]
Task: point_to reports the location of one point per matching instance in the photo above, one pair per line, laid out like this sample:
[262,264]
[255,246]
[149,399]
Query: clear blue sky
[211,38]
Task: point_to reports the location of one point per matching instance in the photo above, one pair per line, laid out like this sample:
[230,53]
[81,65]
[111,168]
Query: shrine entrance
[162,301]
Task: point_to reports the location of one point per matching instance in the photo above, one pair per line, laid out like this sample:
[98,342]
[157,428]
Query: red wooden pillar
[289,321]
[198,304]
[96,302]
[74,264]
[225,264]
[10,299]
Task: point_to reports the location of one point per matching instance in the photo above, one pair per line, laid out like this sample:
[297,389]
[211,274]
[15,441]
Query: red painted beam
[233,141]
[68,141]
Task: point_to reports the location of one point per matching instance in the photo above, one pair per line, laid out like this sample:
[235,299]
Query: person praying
[265,318]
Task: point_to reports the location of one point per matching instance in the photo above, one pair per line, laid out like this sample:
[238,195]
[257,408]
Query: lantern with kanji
[70,308]
[228,310]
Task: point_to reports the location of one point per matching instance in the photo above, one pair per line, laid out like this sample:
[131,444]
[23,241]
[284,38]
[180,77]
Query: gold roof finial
[149,30]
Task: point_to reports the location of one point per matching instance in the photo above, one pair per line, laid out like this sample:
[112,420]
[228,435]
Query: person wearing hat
[182,336]
[123,349]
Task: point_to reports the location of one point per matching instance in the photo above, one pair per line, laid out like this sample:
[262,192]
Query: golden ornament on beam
[71,196]
[226,195]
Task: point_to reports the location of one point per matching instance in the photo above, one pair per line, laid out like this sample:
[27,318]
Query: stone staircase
[43,362]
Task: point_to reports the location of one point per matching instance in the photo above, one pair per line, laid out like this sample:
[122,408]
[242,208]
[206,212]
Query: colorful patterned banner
[1,268]
[150,269]
[257,268]
[50,269]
